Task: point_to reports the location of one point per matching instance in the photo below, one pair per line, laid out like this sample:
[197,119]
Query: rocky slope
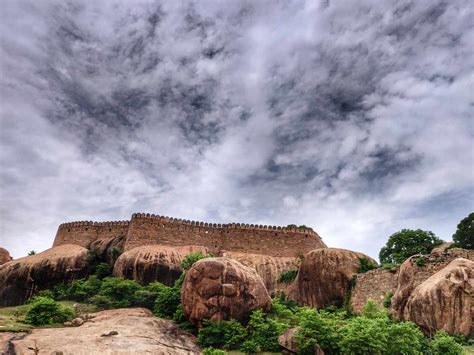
[220,289]
[117,331]
[154,263]
[21,278]
[324,277]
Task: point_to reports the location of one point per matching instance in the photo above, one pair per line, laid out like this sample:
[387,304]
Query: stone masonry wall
[375,284]
[146,229]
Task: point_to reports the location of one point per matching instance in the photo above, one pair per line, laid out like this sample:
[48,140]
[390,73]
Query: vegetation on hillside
[464,235]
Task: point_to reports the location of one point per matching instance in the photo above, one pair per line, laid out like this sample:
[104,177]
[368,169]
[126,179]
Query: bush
[121,292]
[407,242]
[81,290]
[442,343]
[264,332]
[167,301]
[249,347]
[464,235]
[365,265]
[45,293]
[45,310]
[115,252]
[102,301]
[372,311]
[228,334]
[321,328]
[420,262]
[102,270]
[362,335]
[404,338]
[288,276]
[387,300]
[189,260]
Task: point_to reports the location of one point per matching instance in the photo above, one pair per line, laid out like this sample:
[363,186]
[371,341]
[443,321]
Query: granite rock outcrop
[221,289]
[4,256]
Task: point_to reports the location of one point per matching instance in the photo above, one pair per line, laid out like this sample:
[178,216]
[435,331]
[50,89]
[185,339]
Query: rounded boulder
[325,277]
[221,289]
[4,256]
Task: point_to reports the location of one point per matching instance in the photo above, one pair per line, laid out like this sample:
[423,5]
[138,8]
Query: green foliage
[102,270]
[291,226]
[464,235]
[362,335]
[319,328]
[189,260]
[404,338]
[300,255]
[120,291]
[81,290]
[390,266]
[442,343]
[372,311]
[212,351]
[44,310]
[407,242]
[45,293]
[365,265]
[102,301]
[224,334]
[115,252]
[387,300]
[167,301]
[288,276]
[31,252]
[93,259]
[249,347]
[420,261]
[264,331]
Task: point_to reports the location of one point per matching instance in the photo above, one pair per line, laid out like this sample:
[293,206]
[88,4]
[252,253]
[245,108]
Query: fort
[146,229]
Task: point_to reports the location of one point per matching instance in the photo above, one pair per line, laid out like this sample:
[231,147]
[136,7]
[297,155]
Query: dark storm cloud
[354,117]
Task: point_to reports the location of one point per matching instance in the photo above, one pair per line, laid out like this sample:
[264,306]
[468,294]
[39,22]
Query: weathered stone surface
[77,322]
[4,256]
[445,300]
[324,277]
[127,331]
[268,268]
[154,263]
[105,247]
[411,275]
[220,289]
[21,278]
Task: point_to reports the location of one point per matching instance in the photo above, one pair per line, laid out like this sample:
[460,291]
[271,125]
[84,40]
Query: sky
[352,117]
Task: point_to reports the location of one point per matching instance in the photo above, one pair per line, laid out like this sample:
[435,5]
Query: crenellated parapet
[145,229]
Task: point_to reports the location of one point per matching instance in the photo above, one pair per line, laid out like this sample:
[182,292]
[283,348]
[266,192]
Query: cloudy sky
[353,117]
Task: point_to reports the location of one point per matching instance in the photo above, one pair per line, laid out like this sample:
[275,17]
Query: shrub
[365,265]
[372,311]
[362,335]
[82,289]
[387,300]
[120,291]
[115,252]
[264,332]
[167,301]
[60,291]
[320,328]
[442,343]
[464,235]
[45,310]
[45,293]
[102,301]
[31,252]
[228,334]
[420,262]
[300,255]
[102,270]
[212,351]
[404,338]
[189,260]
[288,276]
[406,243]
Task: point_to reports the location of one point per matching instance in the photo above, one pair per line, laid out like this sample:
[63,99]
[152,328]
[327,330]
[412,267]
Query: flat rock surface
[117,331]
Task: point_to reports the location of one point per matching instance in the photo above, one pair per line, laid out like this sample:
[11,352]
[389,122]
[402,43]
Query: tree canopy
[408,242]
[464,236]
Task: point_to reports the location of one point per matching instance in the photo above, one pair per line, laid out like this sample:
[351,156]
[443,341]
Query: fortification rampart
[145,229]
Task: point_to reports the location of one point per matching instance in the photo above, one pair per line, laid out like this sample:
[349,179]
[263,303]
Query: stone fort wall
[146,229]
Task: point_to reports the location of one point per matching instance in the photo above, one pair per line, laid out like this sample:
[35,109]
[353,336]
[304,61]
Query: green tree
[372,311]
[44,310]
[264,332]
[406,243]
[464,236]
[442,343]
[227,334]
[362,335]
[121,292]
[405,338]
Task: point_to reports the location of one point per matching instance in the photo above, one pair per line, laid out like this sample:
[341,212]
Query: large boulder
[418,268]
[221,289]
[269,268]
[4,256]
[325,276]
[445,300]
[107,249]
[151,263]
[22,278]
[116,331]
